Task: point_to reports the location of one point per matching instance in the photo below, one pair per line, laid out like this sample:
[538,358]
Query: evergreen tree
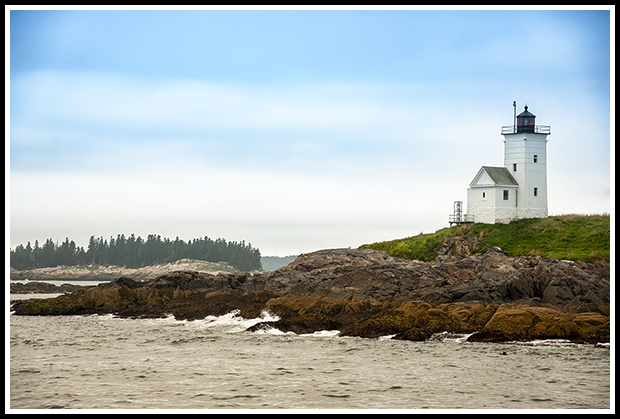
[134,252]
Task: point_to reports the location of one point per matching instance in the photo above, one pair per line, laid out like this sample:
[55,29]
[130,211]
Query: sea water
[105,362]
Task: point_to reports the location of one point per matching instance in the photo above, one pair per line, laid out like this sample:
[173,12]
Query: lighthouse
[525,155]
[519,188]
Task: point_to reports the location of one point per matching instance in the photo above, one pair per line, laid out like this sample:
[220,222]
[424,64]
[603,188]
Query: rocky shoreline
[367,293]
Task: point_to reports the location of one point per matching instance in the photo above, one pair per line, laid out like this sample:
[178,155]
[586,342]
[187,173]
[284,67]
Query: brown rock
[527,322]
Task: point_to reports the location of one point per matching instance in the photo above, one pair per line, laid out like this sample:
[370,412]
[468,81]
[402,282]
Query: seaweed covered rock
[526,322]
[523,322]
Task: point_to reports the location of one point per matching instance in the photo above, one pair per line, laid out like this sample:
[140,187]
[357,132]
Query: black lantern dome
[526,121]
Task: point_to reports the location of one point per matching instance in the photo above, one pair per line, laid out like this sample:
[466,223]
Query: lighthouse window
[535,191]
[484,194]
[505,195]
[535,158]
[514,167]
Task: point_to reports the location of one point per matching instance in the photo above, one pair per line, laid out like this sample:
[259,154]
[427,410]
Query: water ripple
[103,362]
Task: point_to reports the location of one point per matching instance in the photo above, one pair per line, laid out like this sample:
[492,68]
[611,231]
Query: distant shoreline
[109,273]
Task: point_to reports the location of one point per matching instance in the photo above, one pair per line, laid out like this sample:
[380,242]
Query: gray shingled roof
[500,175]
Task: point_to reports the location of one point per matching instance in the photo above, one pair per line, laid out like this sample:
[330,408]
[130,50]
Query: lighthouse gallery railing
[535,129]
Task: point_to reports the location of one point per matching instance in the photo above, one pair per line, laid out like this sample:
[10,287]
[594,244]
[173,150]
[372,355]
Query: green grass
[570,237]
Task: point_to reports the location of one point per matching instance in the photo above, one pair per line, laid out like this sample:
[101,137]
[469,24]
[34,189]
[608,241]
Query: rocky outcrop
[364,292]
[458,246]
[42,287]
[493,277]
[109,273]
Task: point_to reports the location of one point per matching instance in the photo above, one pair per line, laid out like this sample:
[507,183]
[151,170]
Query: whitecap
[463,338]
[450,337]
[320,333]
[272,331]
[559,343]
[387,337]
[233,323]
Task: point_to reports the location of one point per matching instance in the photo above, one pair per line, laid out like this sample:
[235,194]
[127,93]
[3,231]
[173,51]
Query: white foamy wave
[450,337]
[232,322]
[321,333]
[272,331]
[102,316]
[559,343]
[463,338]
[388,337]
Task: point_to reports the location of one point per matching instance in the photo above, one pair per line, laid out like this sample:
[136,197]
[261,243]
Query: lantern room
[526,121]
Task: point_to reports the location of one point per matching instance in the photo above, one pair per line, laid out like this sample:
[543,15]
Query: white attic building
[492,195]
[519,189]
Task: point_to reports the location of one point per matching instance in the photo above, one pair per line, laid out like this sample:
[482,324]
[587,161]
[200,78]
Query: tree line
[134,252]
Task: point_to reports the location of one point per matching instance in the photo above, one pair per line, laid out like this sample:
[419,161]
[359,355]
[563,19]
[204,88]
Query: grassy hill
[570,237]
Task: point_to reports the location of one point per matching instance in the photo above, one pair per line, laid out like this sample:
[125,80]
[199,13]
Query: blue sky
[292,130]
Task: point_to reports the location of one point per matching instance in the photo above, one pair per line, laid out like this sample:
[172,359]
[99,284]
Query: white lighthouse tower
[519,188]
[525,156]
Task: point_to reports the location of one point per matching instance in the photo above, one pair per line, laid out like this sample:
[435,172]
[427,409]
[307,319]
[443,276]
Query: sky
[292,130]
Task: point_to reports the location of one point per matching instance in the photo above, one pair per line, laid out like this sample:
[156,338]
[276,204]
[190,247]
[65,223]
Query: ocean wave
[558,343]
[232,322]
[274,331]
[440,337]
[450,337]
[387,337]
